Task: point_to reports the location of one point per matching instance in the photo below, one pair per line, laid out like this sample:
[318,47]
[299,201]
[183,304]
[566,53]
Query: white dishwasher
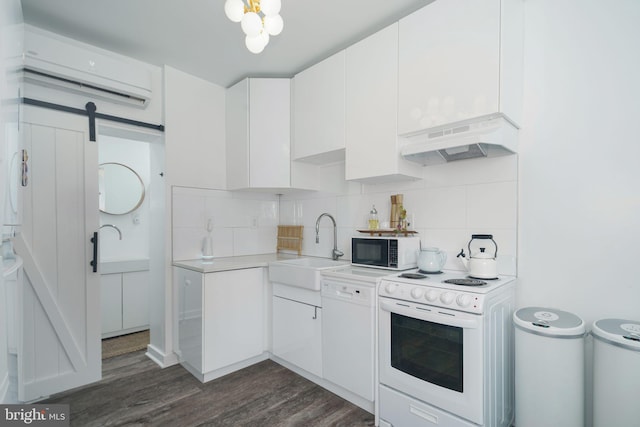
[348,331]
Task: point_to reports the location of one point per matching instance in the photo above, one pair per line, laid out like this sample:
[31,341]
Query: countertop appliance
[445,350]
[386,252]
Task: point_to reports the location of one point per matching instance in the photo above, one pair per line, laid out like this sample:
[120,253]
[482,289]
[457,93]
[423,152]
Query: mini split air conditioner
[53,63]
[486,136]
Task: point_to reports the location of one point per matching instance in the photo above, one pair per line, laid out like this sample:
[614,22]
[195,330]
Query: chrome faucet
[113,226]
[335,254]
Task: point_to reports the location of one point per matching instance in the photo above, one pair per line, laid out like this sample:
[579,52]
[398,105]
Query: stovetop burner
[483,278]
[466,282]
[413,275]
[429,272]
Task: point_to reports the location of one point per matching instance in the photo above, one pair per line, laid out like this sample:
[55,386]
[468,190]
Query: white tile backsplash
[492,206]
[244,223]
[451,203]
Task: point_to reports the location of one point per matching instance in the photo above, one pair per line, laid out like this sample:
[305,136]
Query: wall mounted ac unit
[53,63]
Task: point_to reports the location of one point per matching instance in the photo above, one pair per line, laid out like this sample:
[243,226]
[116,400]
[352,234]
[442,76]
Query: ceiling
[196,37]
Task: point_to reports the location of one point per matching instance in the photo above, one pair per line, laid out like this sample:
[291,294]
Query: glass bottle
[373,219]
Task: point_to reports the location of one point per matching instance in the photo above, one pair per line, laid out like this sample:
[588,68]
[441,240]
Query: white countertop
[233,263]
[362,274]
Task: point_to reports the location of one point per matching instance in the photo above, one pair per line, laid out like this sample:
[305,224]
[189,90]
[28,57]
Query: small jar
[373,219]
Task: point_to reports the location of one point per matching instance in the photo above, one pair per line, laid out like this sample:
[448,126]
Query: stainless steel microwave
[392,253]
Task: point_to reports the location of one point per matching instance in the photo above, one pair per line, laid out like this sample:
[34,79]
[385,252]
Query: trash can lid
[624,333]
[549,322]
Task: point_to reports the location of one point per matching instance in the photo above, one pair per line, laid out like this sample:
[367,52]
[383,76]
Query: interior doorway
[131,233]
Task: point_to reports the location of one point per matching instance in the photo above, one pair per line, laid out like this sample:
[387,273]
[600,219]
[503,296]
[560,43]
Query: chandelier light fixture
[259,19]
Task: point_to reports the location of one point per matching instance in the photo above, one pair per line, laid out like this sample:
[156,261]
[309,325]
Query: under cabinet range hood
[485,136]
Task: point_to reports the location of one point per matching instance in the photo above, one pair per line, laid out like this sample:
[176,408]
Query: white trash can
[616,373]
[549,368]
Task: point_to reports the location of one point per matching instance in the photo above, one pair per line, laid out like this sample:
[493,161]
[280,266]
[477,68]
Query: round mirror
[121,189]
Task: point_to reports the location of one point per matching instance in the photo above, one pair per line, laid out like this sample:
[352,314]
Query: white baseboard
[161,359]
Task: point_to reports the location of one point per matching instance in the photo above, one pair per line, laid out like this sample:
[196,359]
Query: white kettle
[431,260]
[481,265]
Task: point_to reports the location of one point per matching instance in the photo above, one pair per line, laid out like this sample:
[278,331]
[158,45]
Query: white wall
[579,174]
[194,118]
[579,220]
[195,131]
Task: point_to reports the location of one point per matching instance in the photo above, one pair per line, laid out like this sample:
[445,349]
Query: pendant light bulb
[258,43]
[251,24]
[234,9]
[270,7]
[273,24]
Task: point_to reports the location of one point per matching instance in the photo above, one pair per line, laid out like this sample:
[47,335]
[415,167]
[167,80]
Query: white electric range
[445,350]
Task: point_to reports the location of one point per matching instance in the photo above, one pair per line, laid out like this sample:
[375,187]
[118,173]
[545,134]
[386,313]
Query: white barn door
[59,339]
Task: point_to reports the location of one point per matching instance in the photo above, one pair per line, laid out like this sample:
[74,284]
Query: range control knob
[417,293]
[447,297]
[431,295]
[391,288]
[463,300]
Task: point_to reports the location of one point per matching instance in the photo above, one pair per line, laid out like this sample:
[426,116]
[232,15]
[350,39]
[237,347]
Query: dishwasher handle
[343,294]
[349,294]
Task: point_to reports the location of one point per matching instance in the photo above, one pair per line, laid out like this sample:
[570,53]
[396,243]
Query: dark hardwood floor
[134,391]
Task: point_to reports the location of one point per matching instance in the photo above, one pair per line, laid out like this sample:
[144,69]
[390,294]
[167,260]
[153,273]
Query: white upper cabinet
[258,134]
[319,112]
[372,153]
[460,59]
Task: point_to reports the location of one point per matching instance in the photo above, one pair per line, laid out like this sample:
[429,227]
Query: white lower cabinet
[297,327]
[220,320]
[124,302]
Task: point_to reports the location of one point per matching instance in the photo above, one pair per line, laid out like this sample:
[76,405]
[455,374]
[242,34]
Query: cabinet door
[269,133]
[449,63]
[319,111]
[372,108]
[258,134]
[297,334]
[189,285]
[233,317]
[111,302]
[135,299]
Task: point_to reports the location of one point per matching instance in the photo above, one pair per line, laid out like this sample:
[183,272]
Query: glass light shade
[264,37]
[273,24]
[270,7]
[251,24]
[256,44]
[234,9]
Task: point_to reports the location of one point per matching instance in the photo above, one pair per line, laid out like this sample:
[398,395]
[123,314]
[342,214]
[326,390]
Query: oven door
[434,355]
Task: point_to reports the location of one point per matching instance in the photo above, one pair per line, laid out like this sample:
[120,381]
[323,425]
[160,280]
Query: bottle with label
[373,219]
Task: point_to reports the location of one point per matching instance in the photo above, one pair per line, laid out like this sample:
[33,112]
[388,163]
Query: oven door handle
[429,316]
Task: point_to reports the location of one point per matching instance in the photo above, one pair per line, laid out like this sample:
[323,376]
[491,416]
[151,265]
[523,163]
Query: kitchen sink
[302,272]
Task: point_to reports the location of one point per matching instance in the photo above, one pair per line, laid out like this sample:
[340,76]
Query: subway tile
[492,205]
